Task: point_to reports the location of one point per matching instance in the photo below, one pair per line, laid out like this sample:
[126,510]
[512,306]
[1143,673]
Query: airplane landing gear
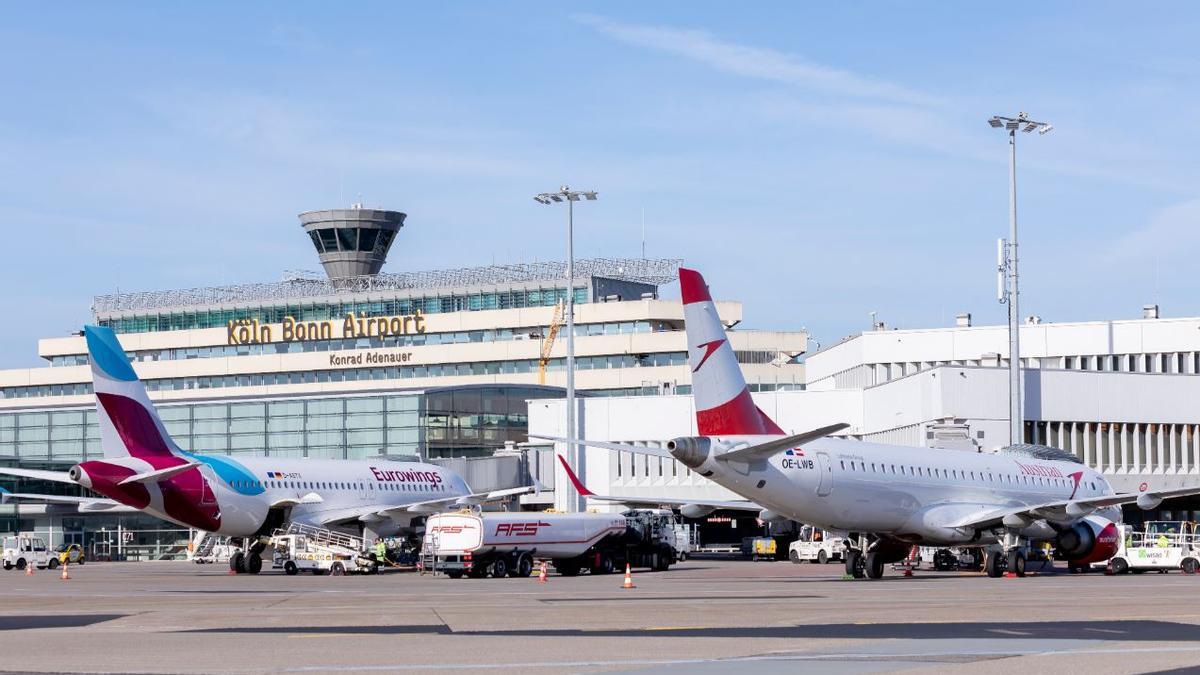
[1016,562]
[874,565]
[1010,557]
[856,566]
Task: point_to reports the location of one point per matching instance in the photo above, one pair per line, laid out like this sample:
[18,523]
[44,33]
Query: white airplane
[247,497]
[888,497]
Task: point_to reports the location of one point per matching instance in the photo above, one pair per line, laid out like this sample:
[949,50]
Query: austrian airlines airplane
[888,497]
[246,497]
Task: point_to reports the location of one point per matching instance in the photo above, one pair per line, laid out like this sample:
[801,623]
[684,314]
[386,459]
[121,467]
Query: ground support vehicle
[499,544]
[70,553]
[302,548]
[26,549]
[816,545]
[1161,546]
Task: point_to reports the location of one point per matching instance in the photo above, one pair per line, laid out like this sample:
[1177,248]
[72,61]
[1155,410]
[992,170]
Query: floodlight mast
[1008,270]
[570,196]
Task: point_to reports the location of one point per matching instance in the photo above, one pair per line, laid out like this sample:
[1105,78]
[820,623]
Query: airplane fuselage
[912,494]
[234,496]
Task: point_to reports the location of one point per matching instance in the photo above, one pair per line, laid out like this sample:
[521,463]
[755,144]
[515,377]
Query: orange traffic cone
[65,576]
[628,578]
[29,569]
[542,573]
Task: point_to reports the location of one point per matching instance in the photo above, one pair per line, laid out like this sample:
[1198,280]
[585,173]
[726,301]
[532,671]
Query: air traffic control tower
[352,242]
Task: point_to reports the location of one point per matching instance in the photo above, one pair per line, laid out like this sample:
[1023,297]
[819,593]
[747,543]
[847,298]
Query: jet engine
[1092,539]
[691,450]
[696,510]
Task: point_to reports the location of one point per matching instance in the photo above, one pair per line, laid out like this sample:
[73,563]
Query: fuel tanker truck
[501,543]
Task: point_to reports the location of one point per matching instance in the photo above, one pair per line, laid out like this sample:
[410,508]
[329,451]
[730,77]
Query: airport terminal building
[357,363]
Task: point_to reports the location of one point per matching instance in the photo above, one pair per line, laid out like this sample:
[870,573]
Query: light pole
[1007,269]
[570,197]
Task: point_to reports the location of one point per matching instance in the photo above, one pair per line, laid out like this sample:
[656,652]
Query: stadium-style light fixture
[570,196]
[1008,268]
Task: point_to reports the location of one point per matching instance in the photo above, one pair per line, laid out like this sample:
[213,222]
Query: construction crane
[556,323]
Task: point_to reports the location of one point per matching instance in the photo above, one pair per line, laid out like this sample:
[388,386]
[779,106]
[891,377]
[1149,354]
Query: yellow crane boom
[556,323]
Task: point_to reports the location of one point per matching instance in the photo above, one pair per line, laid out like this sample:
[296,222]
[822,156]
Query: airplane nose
[691,451]
[80,476]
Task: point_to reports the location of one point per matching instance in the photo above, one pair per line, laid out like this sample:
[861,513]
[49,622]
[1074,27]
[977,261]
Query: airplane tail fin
[129,424]
[723,403]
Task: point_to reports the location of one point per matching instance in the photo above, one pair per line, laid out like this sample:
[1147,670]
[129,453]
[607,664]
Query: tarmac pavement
[703,616]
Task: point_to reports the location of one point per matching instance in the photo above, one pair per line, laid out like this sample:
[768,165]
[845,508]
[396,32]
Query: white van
[23,550]
[817,546]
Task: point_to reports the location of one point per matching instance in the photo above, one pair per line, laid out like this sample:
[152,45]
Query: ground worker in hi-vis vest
[380,551]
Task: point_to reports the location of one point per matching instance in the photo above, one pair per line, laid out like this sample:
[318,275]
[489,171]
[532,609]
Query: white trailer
[26,549]
[816,545]
[1161,546]
[507,543]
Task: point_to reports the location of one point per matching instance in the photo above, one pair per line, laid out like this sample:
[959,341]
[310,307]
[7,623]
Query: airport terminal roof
[298,286]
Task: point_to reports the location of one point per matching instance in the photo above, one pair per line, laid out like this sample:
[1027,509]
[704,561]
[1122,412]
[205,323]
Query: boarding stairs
[321,536]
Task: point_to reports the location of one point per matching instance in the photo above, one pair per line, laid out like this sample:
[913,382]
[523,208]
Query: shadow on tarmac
[1132,631]
[25,622]
[659,598]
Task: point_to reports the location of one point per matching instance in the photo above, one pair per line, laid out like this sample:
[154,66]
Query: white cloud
[755,62]
[1169,237]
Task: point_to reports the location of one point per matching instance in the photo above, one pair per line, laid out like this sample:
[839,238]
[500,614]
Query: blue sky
[817,162]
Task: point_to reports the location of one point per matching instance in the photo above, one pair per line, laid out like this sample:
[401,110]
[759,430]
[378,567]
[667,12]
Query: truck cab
[25,549]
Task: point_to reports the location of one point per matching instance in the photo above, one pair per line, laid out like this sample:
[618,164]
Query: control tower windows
[348,239]
[366,239]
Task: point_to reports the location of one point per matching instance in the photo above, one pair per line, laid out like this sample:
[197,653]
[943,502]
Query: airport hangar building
[1123,396]
[355,364]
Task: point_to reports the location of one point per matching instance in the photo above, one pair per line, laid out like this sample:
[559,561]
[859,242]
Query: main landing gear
[1008,558]
[248,562]
[866,558]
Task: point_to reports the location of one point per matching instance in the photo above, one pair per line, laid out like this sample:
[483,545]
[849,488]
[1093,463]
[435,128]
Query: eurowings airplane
[244,497]
[888,497]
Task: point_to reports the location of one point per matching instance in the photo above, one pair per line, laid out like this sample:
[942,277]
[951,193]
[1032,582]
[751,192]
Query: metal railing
[639,270]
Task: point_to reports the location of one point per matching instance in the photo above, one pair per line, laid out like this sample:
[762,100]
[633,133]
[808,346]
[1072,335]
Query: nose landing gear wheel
[254,563]
[237,563]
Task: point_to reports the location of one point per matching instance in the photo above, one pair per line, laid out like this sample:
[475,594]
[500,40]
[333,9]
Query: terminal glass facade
[451,422]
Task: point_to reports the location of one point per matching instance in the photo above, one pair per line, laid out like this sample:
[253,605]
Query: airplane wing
[608,445]
[1073,509]
[40,474]
[739,505]
[419,508]
[85,504]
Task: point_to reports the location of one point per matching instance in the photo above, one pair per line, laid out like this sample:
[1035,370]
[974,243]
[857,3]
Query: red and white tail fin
[723,403]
